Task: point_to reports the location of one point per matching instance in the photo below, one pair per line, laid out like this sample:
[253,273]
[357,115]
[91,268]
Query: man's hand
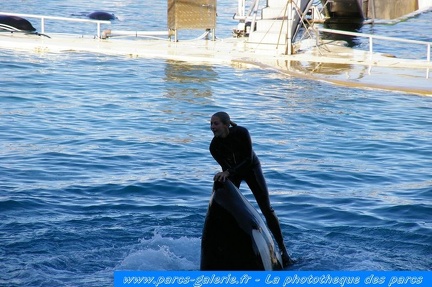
[221,176]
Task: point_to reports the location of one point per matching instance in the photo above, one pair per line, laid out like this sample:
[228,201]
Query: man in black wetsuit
[231,147]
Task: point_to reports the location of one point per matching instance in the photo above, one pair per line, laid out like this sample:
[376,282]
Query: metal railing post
[428,57]
[255,13]
[289,36]
[42,25]
[241,8]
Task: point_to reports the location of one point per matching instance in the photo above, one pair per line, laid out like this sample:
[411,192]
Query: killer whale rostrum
[235,236]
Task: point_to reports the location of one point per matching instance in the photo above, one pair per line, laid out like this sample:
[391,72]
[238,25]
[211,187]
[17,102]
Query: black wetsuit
[235,154]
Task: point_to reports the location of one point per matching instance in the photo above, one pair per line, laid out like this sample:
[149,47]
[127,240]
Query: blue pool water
[104,161]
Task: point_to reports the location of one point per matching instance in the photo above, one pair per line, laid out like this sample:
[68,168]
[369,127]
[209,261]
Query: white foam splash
[164,253]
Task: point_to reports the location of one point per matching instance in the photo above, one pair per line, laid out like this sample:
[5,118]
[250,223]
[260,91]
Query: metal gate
[191,14]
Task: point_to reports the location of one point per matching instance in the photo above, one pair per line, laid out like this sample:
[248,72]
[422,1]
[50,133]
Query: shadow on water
[344,24]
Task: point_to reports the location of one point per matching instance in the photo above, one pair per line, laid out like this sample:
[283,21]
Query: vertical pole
[289,32]
[370,54]
[241,8]
[428,59]
[255,9]
[214,15]
[373,11]
[365,8]
[43,25]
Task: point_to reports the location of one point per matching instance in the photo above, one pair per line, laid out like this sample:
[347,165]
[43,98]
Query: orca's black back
[227,239]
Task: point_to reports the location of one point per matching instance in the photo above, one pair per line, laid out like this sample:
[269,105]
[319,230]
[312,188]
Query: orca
[100,15]
[235,236]
[16,22]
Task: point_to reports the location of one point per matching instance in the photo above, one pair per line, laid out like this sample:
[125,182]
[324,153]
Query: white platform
[332,63]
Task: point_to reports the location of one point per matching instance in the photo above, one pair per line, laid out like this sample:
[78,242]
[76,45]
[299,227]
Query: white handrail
[371,37]
[42,18]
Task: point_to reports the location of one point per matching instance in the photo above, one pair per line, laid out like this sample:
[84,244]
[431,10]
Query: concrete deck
[331,63]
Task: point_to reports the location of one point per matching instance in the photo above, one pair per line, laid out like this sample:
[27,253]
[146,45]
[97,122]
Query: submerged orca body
[16,22]
[100,15]
[234,236]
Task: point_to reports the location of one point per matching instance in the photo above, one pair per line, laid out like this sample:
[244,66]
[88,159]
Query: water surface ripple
[104,164]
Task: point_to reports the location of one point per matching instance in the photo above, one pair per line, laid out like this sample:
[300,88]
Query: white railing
[42,19]
[371,38]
